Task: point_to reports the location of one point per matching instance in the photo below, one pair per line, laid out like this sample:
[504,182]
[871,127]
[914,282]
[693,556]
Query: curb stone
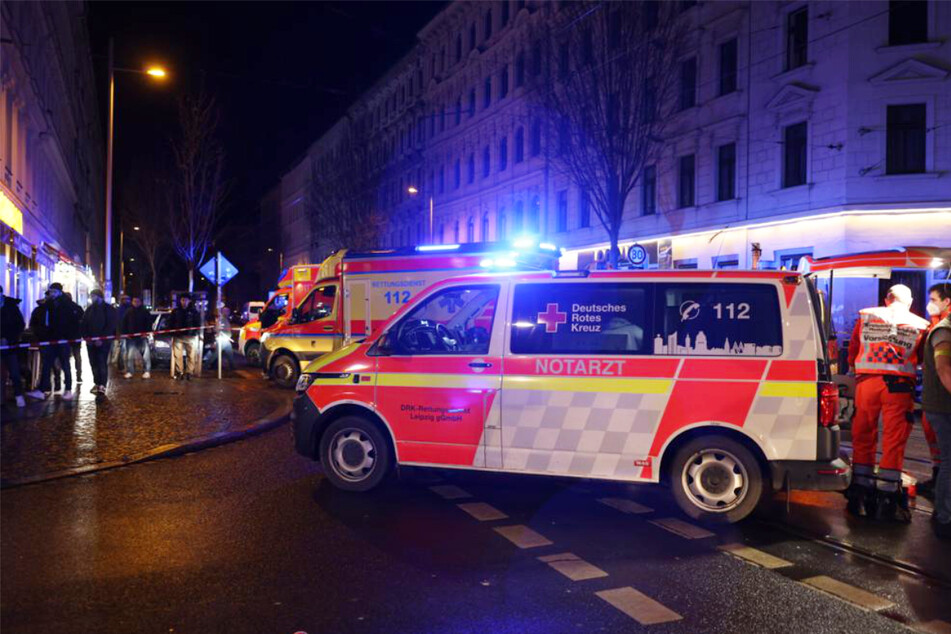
[275,418]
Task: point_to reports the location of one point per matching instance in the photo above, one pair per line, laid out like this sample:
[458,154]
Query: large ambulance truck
[355,292]
[293,286]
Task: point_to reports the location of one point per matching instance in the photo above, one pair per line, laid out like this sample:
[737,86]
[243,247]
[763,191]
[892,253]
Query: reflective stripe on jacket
[889,339]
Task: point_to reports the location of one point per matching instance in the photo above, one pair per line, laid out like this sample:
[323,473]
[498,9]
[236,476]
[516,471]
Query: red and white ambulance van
[293,286]
[355,292]
[714,382]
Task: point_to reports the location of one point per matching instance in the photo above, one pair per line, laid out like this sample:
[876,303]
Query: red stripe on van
[723,369]
[415,263]
[699,402]
[792,371]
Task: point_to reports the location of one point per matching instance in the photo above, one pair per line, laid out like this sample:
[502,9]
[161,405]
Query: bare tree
[613,70]
[198,186]
[146,217]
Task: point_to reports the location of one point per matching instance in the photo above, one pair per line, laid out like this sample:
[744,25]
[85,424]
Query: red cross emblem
[552,317]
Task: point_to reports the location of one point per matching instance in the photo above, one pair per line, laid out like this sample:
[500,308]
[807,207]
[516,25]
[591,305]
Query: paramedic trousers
[892,399]
[186,355]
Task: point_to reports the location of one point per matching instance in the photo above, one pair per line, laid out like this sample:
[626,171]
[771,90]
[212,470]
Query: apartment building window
[487,29]
[537,58]
[794,155]
[536,138]
[726,172]
[485,226]
[470,230]
[472,36]
[688,83]
[500,224]
[442,233]
[503,154]
[458,48]
[519,217]
[797,38]
[457,174]
[472,102]
[458,110]
[686,185]
[907,22]
[505,12]
[564,137]
[563,59]
[520,70]
[648,101]
[520,145]
[587,46]
[584,209]
[432,124]
[442,179]
[442,119]
[455,233]
[649,191]
[728,67]
[534,214]
[470,172]
[419,233]
[487,93]
[486,162]
[651,14]
[905,139]
[504,82]
[561,222]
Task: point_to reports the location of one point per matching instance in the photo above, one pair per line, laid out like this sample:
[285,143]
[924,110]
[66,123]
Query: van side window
[317,305]
[274,309]
[455,320]
[602,318]
[717,319]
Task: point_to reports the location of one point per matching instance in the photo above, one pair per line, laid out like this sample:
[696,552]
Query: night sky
[282,73]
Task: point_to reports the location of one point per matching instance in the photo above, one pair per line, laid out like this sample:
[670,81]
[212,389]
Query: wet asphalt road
[249,538]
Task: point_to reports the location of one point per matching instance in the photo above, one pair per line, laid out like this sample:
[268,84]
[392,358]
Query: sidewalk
[135,417]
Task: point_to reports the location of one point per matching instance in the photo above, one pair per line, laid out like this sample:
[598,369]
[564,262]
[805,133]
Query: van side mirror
[383,346]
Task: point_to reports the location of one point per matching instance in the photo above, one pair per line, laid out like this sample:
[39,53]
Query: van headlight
[307,379]
[304,382]
[265,337]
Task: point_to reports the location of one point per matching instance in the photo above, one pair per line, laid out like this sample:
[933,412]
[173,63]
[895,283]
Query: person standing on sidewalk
[119,351]
[99,321]
[939,307]
[884,354]
[936,402]
[137,321]
[75,345]
[58,316]
[186,342]
[11,327]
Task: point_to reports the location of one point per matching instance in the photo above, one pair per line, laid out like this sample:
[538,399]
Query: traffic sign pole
[218,312]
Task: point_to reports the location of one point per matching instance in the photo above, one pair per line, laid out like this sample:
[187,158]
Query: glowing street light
[412,191]
[156,71]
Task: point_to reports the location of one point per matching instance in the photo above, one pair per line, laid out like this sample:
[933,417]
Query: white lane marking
[626,506]
[846,592]
[639,606]
[682,528]
[755,556]
[482,511]
[573,567]
[522,536]
[936,626]
[450,492]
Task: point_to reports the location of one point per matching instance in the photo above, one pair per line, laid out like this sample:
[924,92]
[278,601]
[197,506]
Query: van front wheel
[716,479]
[354,454]
[285,371]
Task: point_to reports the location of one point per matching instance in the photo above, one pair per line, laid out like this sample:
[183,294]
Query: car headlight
[161,344]
[265,337]
[304,382]
[307,379]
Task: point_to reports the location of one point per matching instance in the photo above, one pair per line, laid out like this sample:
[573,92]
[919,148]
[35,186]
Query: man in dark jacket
[75,345]
[59,317]
[136,321]
[119,350]
[11,327]
[186,343]
[99,326]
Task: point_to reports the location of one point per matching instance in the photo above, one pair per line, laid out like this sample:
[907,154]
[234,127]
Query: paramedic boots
[874,503]
[861,500]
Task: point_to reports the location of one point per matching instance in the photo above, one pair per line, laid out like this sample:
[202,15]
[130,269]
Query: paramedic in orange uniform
[939,307]
[884,354]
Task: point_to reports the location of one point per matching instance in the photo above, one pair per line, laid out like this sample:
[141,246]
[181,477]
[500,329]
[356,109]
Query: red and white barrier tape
[38,344]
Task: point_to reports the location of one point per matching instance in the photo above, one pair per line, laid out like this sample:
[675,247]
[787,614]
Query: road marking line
[626,506]
[522,536]
[639,606]
[573,567]
[935,626]
[755,556]
[450,492]
[846,592]
[682,528]
[482,511]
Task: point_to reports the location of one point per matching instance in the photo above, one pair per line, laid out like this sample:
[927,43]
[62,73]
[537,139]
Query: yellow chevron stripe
[461,381]
[587,384]
[794,389]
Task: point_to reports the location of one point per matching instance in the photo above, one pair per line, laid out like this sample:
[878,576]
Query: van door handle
[328,328]
[480,364]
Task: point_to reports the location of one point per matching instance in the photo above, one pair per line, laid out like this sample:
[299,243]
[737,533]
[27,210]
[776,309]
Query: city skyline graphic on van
[699,346]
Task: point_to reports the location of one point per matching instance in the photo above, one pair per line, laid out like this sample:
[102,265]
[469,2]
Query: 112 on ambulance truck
[714,382]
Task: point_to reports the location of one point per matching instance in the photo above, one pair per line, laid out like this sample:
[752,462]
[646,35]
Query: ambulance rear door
[356,309]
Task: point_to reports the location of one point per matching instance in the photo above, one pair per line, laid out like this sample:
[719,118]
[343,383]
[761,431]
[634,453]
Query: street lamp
[412,191]
[157,73]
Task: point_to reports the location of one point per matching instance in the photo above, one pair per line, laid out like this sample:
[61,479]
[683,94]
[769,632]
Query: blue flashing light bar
[547,246]
[438,247]
[524,243]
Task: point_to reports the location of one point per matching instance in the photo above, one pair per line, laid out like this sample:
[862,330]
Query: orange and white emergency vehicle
[355,292]
[715,382]
[293,286]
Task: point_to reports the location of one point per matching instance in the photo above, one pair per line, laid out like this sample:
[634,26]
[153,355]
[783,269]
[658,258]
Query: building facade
[51,153]
[801,128]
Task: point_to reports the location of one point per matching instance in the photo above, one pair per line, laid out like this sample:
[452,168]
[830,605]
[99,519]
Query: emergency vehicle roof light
[571,273]
[437,247]
[524,243]
[547,246]
[936,263]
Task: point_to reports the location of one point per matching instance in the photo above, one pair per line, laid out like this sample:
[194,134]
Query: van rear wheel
[285,371]
[252,354]
[354,454]
[716,479]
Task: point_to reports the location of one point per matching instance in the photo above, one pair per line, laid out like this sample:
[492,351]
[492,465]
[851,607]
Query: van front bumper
[811,475]
[304,418]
